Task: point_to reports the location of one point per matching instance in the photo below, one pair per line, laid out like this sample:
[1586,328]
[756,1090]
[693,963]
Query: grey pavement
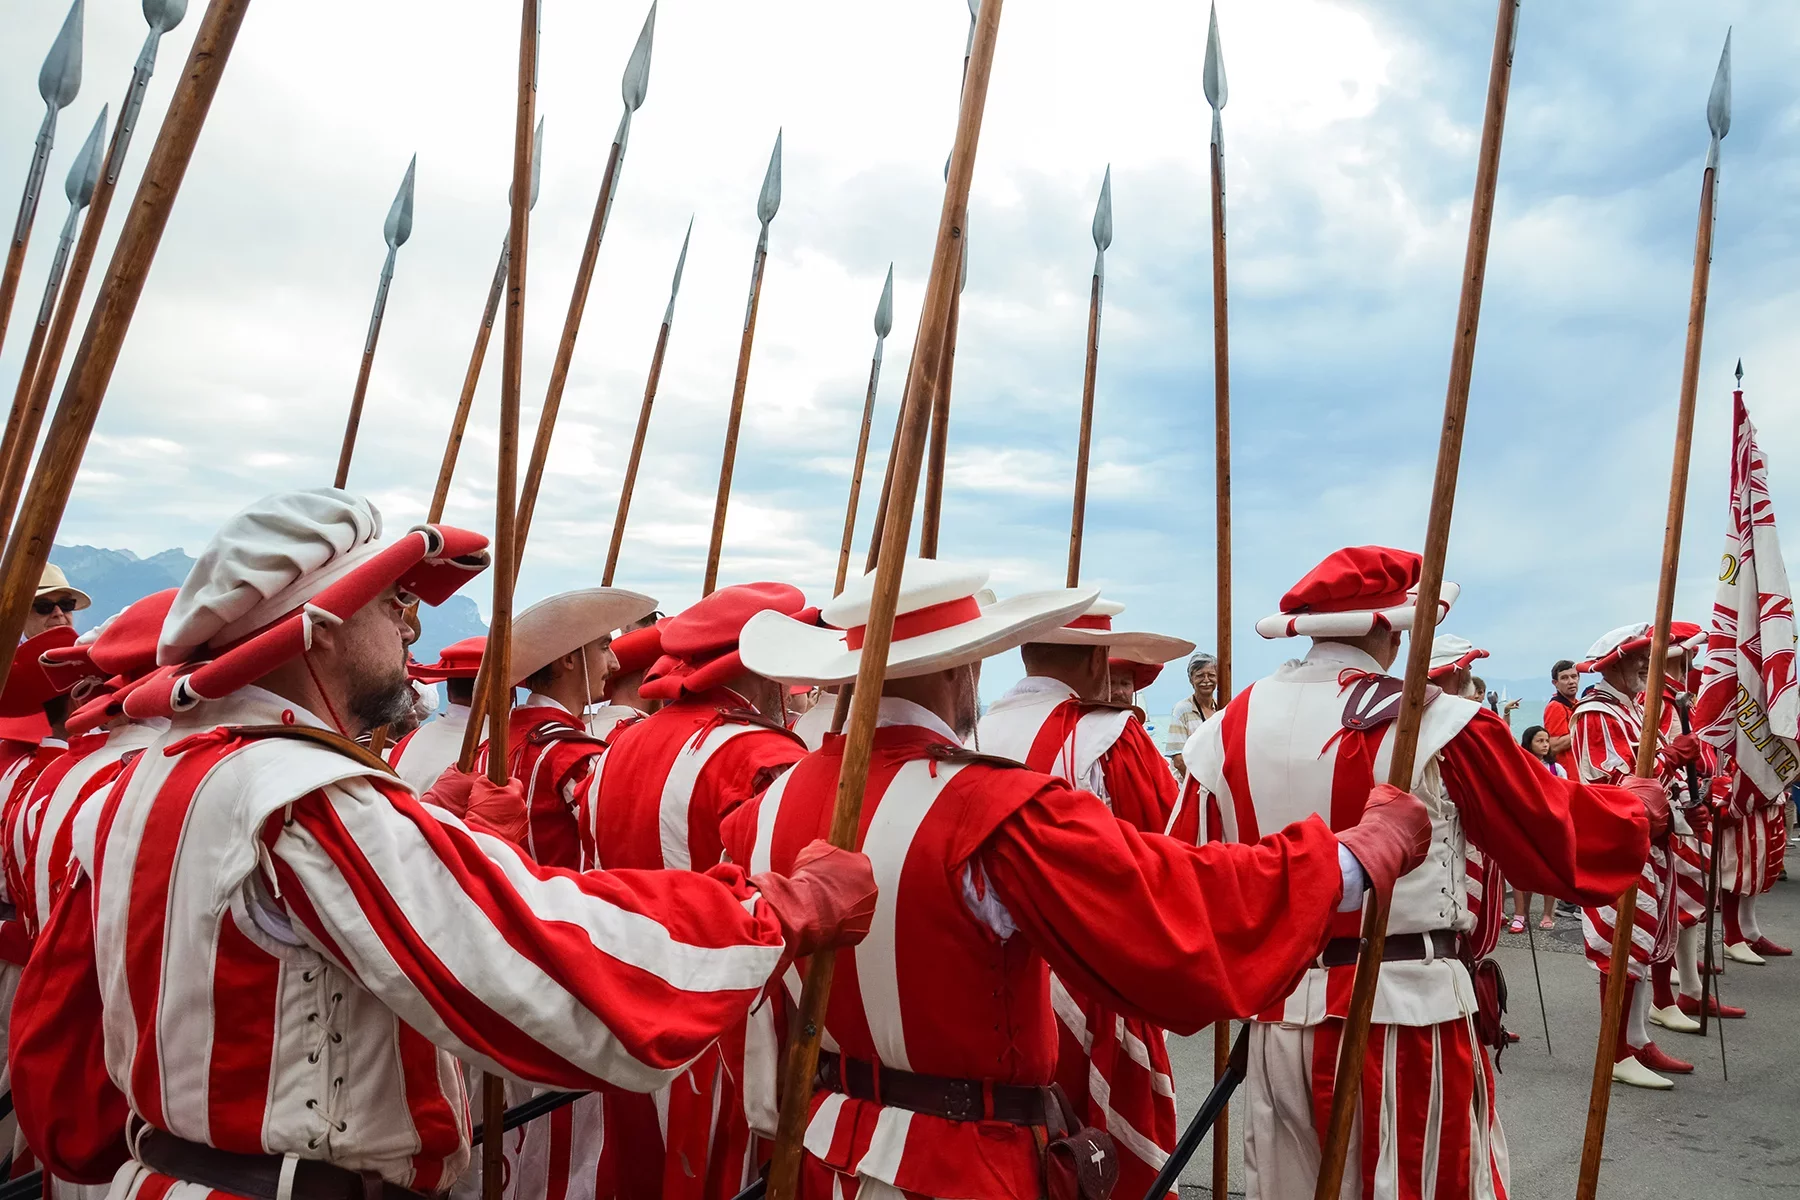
[1707,1138]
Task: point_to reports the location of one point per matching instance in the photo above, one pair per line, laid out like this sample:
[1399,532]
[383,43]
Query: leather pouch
[1080,1162]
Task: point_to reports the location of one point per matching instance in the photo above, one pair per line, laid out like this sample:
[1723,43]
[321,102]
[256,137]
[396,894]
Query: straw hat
[1095,628]
[564,624]
[53,584]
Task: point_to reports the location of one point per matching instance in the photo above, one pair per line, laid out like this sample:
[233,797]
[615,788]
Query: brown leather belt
[258,1176]
[936,1095]
[1400,947]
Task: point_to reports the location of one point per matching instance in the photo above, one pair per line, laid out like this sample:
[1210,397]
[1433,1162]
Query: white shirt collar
[895,711]
[1033,686]
[1337,654]
[539,700]
[251,705]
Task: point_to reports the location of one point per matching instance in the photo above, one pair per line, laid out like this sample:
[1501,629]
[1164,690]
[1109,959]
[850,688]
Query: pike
[643,422]
[1354,1047]
[632,87]
[84,174]
[803,1052]
[1718,123]
[59,79]
[768,202]
[1103,232]
[162,16]
[884,325]
[110,319]
[395,232]
[472,375]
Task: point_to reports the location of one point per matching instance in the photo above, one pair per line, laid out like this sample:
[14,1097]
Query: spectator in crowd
[1192,711]
[1537,740]
[56,600]
[1557,712]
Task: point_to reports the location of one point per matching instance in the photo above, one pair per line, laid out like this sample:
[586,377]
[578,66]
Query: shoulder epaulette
[318,737]
[551,731]
[1374,701]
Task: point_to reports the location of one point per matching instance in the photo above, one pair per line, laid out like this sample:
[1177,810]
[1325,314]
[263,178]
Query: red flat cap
[700,645]
[458,660]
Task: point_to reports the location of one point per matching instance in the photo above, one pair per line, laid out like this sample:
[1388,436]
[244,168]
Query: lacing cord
[328,1036]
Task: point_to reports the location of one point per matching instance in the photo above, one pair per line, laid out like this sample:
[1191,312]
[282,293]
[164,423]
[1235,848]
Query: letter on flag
[1749,703]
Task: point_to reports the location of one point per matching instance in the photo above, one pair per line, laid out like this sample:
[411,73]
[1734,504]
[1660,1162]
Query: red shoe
[1716,969]
[1653,1057]
[1691,1007]
[1768,949]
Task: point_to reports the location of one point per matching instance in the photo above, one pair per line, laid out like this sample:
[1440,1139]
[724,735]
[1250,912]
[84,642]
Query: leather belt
[1400,947]
[937,1095]
[258,1176]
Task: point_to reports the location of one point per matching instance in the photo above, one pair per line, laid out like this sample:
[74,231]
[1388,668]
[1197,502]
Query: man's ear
[324,638]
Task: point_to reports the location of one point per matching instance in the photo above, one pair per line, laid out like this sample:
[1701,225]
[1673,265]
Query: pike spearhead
[1740,374]
[60,77]
[537,161]
[400,216]
[637,69]
[769,202]
[1212,79]
[164,15]
[84,173]
[1103,230]
[884,311]
[1718,104]
[680,265]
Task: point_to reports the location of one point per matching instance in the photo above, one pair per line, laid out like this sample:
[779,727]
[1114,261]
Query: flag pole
[1355,1042]
[803,1051]
[1718,120]
[395,232]
[884,325]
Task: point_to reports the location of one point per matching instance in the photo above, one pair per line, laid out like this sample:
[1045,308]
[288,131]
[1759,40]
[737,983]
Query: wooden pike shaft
[32,399]
[9,280]
[565,350]
[1613,1010]
[1355,1041]
[803,1053]
[856,472]
[637,455]
[931,519]
[496,660]
[354,421]
[98,354]
[471,377]
[15,418]
[878,528]
[729,462]
[1221,1144]
[1078,515]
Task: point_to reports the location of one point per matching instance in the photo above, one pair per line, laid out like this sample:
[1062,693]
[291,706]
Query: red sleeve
[744,767]
[1582,842]
[57,1051]
[1180,935]
[1139,780]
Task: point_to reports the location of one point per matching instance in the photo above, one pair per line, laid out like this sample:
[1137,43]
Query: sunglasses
[44,608]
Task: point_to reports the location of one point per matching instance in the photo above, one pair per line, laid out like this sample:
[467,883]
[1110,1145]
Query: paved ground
[1707,1138]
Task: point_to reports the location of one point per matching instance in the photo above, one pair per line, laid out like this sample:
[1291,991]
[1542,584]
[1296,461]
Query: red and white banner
[1749,703]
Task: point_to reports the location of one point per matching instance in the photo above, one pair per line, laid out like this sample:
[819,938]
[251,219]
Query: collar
[1337,654]
[898,712]
[539,700]
[249,705]
[1033,687]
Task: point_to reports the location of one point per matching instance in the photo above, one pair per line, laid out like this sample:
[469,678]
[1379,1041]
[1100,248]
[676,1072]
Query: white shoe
[1672,1018]
[1740,952]
[1632,1073]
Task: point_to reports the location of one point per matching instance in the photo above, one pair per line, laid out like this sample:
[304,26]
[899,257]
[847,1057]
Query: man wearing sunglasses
[55,604]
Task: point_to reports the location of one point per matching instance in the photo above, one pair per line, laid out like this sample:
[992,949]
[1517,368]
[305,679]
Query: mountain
[116,578]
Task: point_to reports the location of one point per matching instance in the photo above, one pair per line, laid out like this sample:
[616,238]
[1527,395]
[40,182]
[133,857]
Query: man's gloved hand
[826,902]
[1391,839]
[1655,799]
[499,808]
[1683,748]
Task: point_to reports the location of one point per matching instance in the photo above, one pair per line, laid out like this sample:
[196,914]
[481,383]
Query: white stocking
[1687,959]
[1637,1025]
[1747,919]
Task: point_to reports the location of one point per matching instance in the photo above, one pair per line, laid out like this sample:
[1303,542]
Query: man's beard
[379,702]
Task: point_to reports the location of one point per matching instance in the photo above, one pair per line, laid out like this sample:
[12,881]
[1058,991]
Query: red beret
[638,649]
[458,660]
[700,645]
[30,683]
[1355,579]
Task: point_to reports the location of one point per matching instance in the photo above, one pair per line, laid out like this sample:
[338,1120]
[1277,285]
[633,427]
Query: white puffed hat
[264,563]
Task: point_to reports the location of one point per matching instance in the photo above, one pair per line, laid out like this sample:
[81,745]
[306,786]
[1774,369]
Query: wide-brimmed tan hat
[940,623]
[1095,628]
[564,624]
[53,584]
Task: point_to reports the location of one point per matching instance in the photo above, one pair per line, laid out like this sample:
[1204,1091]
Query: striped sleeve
[1604,749]
[548,976]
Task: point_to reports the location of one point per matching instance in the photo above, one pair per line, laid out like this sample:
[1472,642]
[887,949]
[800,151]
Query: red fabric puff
[31,683]
[1355,579]
[700,645]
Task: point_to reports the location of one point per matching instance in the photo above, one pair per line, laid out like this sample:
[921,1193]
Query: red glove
[1683,748]
[1655,800]
[497,808]
[826,902]
[1391,839]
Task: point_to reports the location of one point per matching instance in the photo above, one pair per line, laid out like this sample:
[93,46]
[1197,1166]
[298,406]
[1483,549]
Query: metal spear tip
[681,263]
[1740,374]
[60,77]
[1212,79]
[1103,213]
[769,202]
[164,15]
[1718,104]
[84,172]
[884,312]
[637,68]
[537,161]
[400,216]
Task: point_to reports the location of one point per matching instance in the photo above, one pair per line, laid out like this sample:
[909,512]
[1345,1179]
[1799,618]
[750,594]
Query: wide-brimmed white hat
[1448,652]
[1095,628]
[565,623]
[940,623]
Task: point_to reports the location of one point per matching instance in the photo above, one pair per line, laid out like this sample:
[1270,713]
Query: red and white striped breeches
[1653,932]
[1116,1072]
[1753,851]
[1426,1126]
[1693,859]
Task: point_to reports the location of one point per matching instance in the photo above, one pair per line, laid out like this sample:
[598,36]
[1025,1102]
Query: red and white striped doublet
[1114,1068]
[424,754]
[20,765]
[551,753]
[986,872]
[292,952]
[1692,851]
[1606,729]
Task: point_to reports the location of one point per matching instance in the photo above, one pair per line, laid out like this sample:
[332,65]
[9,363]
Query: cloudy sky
[1351,136]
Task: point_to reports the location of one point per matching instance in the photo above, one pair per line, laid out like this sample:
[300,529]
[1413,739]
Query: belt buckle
[962,1100]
